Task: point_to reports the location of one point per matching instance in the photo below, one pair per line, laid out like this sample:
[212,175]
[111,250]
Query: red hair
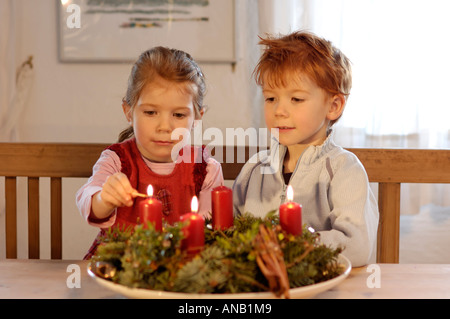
[307,54]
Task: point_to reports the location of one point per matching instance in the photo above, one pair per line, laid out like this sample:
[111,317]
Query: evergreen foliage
[145,258]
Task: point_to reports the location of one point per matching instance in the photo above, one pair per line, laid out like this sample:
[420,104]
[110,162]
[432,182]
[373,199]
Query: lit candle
[150,210]
[222,207]
[194,230]
[291,214]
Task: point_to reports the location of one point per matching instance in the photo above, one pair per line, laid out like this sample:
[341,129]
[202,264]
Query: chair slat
[389,224]
[33,218]
[56,217]
[11,216]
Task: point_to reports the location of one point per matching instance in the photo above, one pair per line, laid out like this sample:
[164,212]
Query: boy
[305,83]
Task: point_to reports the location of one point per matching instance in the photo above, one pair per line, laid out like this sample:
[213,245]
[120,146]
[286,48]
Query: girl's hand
[116,192]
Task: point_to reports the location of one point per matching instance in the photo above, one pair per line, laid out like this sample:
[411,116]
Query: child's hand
[116,192]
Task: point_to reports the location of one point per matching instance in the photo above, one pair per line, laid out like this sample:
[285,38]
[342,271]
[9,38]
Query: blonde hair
[306,53]
[171,65]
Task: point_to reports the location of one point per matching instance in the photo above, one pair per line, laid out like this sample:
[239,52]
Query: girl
[305,82]
[164,97]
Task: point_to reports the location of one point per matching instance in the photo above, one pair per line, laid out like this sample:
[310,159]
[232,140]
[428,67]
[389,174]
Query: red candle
[291,214]
[222,207]
[194,230]
[150,210]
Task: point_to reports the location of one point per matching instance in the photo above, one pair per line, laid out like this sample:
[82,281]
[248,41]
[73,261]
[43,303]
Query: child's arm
[240,186]
[257,163]
[354,213]
[88,197]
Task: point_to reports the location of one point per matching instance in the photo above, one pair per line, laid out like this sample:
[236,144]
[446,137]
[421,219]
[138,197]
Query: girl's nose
[164,125]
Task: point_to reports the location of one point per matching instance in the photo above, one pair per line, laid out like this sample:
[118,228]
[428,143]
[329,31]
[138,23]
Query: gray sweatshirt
[331,185]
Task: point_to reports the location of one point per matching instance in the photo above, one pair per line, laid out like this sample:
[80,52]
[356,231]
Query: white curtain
[399,52]
[15,83]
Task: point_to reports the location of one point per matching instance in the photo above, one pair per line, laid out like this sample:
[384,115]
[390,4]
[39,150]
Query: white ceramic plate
[295,293]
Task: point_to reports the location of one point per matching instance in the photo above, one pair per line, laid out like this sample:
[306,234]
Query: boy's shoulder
[346,164]
[343,156]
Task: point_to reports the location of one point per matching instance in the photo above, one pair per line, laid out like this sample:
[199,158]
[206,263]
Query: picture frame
[120,30]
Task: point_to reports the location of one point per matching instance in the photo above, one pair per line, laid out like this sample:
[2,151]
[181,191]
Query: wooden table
[47,279]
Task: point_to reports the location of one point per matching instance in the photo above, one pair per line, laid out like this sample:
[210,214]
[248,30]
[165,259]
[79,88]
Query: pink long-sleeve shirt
[109,163]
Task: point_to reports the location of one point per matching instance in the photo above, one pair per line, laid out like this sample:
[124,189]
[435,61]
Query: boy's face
[300,110]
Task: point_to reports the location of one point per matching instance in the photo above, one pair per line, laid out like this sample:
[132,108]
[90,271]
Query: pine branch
[253,255]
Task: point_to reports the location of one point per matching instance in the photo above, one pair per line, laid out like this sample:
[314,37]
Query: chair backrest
[390,168]
[33,161]
[387,167]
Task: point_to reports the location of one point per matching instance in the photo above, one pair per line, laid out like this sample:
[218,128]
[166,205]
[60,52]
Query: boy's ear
[336,107]
[127,111]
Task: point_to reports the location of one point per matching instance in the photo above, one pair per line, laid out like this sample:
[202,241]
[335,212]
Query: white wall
[81,102]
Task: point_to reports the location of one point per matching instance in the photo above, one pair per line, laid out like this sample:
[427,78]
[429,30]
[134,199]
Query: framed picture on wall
[120,30]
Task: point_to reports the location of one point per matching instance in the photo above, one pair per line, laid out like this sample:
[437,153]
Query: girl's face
[162,108]
[301,111]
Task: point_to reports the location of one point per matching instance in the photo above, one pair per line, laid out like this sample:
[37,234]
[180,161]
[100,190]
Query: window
[399,53]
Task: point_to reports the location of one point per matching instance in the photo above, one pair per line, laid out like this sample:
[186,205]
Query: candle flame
[150,190]
[290,193]
[194,204]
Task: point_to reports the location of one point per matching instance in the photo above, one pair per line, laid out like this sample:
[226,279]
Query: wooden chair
[387,167]
[33,161]
[390,168]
